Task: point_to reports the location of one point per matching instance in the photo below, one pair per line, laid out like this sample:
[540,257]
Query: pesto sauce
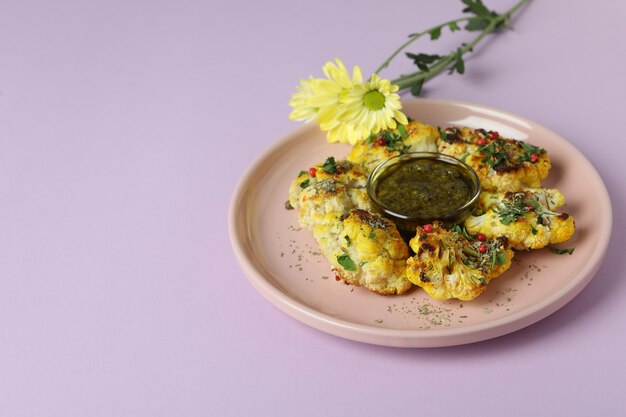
[423,188]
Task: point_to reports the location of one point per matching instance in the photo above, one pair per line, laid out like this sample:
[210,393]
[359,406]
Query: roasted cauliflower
[414,137]
[364,249]
[331,187]
[454,264]
[501,164]
[527,218]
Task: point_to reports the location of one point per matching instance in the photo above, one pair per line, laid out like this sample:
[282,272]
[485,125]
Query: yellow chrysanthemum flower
[370,108]
[345,107]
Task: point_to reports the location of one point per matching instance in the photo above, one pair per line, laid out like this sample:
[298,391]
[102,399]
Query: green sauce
[423,188]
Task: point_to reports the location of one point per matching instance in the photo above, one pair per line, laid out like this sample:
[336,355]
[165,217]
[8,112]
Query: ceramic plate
[282,261]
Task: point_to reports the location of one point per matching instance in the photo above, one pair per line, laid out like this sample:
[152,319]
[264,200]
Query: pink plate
[282,261]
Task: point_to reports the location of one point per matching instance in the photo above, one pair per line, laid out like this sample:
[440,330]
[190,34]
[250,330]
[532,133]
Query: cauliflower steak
[527,218]
[366,250]
[454,264]
[501,164]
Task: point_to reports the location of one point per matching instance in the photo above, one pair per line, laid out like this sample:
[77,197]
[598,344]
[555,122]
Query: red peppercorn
[534,158]
[482,248]
[312,171]
[382,141]
[428,228]
[494,135]
[481,141]
[481,237]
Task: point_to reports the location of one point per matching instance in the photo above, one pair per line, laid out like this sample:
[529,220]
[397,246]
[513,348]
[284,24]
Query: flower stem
[408,80]
[416,36]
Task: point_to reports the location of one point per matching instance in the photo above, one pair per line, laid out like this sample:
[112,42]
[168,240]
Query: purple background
[124,127]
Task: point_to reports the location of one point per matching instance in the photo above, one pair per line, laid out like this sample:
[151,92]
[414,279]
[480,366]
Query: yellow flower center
[374,100]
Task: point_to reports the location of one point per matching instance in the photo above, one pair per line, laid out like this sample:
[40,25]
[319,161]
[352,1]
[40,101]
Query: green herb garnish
[346,262]
[513,208]
[530,150]
[305,183]
[330,165]
[402,131]
[558,251]
[496,153]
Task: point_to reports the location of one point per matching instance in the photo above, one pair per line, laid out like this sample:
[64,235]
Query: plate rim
[413,337]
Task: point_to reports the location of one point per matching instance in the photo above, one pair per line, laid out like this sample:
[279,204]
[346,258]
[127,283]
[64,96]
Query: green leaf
[476,7]
[477,23]
[453,26]
[348,242]
[435,33]
[423,60]
[304,183]
[483,16]
[416,88]
[458,64]
[346,262]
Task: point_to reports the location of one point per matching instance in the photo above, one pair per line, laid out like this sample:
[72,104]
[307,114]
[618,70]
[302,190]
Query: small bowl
[452,170]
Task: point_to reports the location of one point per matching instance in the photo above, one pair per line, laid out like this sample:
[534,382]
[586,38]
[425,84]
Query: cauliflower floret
[460,141]
[501,164]
[527,218]
[335,187]
[416,137]
[366,250]
[453,264]
[342,172]
[322,198]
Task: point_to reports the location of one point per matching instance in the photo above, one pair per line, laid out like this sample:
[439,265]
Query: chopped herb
[496,153]
[460,229]
[372,235]
[509,154]
[500,258]
[393,141]
[304,183]
[513,208]
[330,165]
[443,134]
[558,251]
[402,131]
[529,150]
[348,242]
[346,262]
[302,173]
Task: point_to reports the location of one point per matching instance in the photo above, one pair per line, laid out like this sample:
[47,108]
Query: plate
[282,260]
